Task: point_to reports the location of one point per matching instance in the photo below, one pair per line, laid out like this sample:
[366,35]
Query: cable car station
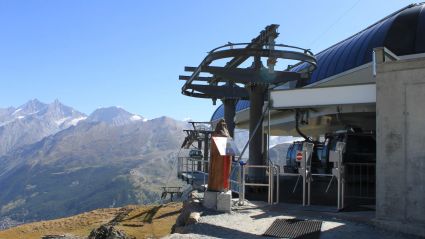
[357,106]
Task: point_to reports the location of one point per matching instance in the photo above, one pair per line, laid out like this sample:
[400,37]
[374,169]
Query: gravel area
[253,219]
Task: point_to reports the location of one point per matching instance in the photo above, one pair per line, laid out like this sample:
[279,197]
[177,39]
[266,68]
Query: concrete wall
[400,169]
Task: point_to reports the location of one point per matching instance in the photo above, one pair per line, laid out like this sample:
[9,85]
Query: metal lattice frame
[231,76]
[230,83]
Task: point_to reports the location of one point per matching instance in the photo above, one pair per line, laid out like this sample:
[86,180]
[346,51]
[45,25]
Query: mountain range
[56,161]
[33,121]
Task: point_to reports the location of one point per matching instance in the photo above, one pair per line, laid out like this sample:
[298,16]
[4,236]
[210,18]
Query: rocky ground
[253,219]
[191,220]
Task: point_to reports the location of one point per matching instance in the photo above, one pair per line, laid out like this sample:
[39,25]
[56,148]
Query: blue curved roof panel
[403,32]
[420,34]
[219,112]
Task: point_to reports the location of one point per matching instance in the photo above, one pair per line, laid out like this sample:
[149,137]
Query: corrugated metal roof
[402,32]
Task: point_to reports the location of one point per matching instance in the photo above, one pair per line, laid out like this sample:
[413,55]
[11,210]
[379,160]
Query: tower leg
[257,93]
[229,115]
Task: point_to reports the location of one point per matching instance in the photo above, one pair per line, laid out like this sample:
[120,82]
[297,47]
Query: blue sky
[91,54]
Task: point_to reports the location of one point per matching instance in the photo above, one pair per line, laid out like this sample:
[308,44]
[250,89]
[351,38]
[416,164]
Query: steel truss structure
[231,83]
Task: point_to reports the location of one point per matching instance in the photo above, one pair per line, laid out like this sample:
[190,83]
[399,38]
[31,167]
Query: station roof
[402,32]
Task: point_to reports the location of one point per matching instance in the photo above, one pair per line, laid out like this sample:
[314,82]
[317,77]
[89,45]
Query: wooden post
[220,163]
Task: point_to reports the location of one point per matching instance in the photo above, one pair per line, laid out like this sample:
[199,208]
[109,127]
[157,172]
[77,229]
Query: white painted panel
[308,97]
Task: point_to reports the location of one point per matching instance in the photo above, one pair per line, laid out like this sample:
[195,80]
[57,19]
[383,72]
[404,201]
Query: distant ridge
[113,115]
[33,121]
[79,163]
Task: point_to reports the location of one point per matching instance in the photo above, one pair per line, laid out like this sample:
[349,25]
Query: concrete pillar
[400,147]
[256,97]
[229,114]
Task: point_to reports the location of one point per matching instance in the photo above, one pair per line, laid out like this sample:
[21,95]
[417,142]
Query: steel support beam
[256,98]
[221,92]
[199,78]
[229,114]
[247,75]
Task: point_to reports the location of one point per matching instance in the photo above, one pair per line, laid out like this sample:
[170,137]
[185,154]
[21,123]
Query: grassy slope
[151,221]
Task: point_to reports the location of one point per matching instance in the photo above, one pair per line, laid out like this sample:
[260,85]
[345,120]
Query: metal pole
[268,158]
[206,152]
[309,190]
[339,179]
[270,185]
[308,171]
[187,169]
[267,151]
[240,184]
[268,135]
[204,174]
[342,192]
[360,179]
[341,147]
[277,182]
[304,171]
[373,63]
[199,163]
[193,168]
[339,192]
[243,184]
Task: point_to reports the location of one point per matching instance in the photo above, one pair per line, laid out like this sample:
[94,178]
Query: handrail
[273,170]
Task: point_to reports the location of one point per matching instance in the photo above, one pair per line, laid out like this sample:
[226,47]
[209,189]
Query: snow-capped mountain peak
[114,115]
[33,121]
[136,117]
[31,107]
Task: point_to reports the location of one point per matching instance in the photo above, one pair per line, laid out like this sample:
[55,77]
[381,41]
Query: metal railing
[272,171]
[188,168]
[360,179]
[235,177]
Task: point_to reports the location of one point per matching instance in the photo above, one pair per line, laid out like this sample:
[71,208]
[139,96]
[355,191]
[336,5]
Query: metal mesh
[295,228]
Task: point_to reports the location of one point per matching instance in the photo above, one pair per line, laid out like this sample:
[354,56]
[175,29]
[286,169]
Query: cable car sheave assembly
[262,46]
[230,83]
